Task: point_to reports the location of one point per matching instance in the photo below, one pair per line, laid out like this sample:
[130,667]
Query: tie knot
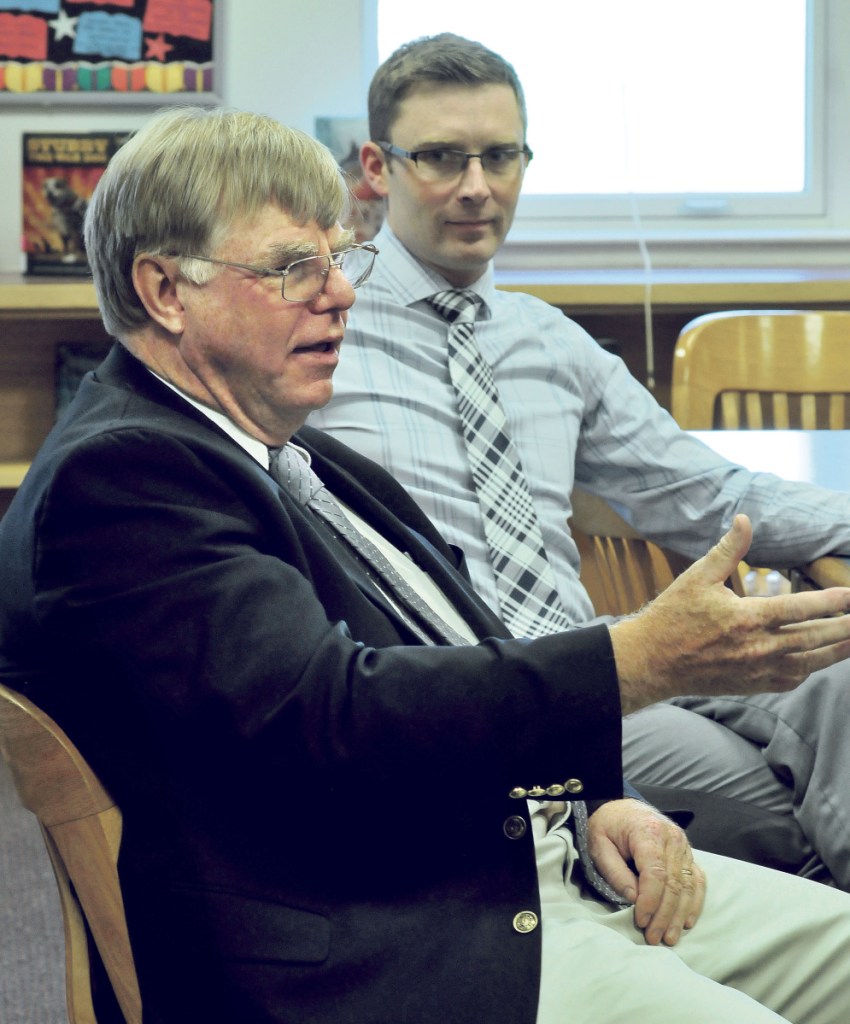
[456,304]
[292,471]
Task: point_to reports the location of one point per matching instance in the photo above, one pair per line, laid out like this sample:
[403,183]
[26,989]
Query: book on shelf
[60,171]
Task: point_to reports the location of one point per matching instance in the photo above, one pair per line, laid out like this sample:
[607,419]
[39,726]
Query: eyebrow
[460,148]
[289,252]
[346,240]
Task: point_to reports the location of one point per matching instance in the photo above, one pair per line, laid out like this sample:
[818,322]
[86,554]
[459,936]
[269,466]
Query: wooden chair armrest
[829,571]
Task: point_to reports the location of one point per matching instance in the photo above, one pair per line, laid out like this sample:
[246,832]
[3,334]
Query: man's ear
[373,160]
[155,280]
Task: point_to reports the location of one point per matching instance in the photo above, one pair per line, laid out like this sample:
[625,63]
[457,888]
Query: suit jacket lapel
[374,495]
[357,481]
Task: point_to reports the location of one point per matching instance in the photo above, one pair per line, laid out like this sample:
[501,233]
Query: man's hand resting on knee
[647,858]
[698,637]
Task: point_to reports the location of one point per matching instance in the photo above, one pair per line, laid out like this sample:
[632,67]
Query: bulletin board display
[107,51]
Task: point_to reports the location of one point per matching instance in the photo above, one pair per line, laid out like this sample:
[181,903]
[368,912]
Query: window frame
[812,225]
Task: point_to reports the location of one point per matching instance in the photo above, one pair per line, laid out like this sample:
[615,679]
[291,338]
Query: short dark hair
[444,59]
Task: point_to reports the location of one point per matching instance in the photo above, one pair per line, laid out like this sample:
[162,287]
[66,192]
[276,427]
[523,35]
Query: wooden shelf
[726,288]
[37,314]
[46,296]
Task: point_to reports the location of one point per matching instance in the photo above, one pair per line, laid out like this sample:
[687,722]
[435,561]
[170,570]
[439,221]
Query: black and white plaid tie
[528,596]
[296,476]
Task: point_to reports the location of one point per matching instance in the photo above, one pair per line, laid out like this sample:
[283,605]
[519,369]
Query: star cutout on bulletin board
[156,48]
[63,26]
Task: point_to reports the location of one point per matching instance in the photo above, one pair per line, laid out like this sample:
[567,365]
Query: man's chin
[466,266]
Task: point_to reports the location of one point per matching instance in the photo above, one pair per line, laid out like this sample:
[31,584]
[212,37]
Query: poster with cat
[60,171]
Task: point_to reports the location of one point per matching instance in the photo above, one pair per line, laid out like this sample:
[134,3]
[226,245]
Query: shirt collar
[255,448]
[410,281]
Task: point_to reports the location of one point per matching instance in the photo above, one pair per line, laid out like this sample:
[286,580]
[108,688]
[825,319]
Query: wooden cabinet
[37,315]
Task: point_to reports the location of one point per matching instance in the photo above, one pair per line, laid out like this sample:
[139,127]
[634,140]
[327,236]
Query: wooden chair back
[763,369]
[620,569]
[81,826]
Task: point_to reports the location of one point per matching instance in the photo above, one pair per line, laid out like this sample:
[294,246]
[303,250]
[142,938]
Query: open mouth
[320,347]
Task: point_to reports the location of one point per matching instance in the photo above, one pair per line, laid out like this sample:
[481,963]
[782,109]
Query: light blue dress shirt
[576,415]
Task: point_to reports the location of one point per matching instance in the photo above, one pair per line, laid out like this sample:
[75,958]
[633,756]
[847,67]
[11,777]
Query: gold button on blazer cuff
[557,789]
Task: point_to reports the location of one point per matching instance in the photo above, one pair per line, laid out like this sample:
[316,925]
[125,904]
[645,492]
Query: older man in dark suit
[348,793]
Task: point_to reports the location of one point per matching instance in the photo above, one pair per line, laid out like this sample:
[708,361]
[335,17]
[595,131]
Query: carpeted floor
[32,969]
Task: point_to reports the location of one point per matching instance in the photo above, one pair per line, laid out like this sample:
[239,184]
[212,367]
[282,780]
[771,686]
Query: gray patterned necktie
[295,475]
[528,595]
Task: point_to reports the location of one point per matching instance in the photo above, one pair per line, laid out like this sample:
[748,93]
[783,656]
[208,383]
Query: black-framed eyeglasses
[304,279]
[440,164]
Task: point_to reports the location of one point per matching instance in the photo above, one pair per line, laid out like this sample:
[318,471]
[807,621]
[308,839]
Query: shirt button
[525,921]
[514,827]
[556,790]
[518,793]
[574,786]
[537,792]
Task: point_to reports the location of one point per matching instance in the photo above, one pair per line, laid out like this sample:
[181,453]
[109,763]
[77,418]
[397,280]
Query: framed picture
[126,51]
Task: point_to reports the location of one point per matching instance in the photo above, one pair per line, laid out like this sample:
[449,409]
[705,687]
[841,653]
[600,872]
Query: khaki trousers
[768,947]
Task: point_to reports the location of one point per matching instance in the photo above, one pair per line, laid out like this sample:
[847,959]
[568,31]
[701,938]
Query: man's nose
[338,292]
[474,181]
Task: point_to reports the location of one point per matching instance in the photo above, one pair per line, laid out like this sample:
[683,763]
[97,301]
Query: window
[693,113]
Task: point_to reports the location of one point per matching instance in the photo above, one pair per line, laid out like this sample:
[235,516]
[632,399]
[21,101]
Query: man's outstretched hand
[698,637]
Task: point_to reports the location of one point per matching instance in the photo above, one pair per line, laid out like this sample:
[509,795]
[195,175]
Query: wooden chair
[82,830]
[762,369]
[620,568]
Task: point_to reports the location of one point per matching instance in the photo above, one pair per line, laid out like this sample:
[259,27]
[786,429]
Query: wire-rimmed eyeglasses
[439,163]
[304,279]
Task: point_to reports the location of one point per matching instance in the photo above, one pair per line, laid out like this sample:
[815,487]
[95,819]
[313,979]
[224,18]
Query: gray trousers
[786,753]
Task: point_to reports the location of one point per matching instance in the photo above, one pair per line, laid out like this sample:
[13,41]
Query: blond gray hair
[182,180]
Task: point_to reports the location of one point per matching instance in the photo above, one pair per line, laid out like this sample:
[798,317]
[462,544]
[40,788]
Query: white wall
[292,60]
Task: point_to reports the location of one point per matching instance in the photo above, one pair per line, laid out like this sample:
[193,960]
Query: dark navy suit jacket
[314,802]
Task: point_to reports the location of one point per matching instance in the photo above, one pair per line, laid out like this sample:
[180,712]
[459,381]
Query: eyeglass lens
[447,163]
[306,278]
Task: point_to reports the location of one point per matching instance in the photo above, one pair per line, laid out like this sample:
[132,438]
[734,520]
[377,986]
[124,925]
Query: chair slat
[82,829]
[730,411]
[781,412]
[754,416]
[808,412]
[837,412]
